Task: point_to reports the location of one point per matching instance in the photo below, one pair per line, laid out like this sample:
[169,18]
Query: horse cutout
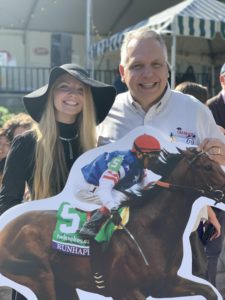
[159,217]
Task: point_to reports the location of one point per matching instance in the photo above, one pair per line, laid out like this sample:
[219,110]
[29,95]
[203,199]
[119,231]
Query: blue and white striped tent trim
[197,18]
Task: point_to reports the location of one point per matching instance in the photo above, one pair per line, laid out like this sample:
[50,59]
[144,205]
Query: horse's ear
[193,149]
[189,153]
[180,150]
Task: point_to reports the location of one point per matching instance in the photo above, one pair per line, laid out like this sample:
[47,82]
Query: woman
[66,122]
[66,112]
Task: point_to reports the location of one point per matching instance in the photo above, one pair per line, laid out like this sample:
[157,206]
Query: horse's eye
[208,167]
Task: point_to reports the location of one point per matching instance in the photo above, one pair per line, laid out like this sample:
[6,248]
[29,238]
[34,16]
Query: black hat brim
[103,94]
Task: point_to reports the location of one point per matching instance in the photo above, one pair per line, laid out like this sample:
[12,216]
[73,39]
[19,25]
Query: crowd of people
[74,113]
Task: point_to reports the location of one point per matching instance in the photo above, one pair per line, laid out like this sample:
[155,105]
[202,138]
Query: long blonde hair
[51,172]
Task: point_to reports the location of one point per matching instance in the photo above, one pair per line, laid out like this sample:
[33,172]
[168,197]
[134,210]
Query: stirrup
[87,232]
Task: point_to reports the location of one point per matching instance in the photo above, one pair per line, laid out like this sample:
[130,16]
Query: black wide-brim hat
[103,94]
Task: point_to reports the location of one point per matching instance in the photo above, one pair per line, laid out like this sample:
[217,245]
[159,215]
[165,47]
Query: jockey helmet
[145,144]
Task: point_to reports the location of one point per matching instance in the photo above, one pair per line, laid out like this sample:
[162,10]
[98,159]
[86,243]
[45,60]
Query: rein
[216,195]
[136,243]
[177,187]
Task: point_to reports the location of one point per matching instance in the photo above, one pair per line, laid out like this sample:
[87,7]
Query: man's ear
[121,69]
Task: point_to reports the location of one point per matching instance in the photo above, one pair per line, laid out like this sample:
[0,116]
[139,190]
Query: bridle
[217,195]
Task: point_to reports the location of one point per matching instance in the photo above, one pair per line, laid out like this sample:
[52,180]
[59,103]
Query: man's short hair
[195,89]
[140,34]
[222,70]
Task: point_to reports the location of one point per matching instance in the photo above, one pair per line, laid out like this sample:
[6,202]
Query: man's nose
[148,70]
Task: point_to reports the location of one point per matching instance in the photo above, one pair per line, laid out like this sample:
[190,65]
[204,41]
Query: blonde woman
[66,111]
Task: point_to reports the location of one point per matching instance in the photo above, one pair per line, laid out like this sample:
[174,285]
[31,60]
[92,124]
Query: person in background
[149,100]
[118,84]
[66,111]
[4,149]
[197,90]
[214,248]
[18,124]
[5,143]
[213,245]
[189,75]
[217,103]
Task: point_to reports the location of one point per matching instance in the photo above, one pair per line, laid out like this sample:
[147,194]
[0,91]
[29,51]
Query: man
[149,100]
[217,103]
[114,172]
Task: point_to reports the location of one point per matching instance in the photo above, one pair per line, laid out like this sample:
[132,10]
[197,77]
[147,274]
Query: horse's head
[188,171]
[197,170]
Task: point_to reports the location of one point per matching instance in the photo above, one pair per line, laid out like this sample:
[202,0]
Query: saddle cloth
[66,237]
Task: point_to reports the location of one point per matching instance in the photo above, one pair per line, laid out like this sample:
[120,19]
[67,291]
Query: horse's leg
[28,264]
[134,295]
[64,291]
[43,289]
[178,287]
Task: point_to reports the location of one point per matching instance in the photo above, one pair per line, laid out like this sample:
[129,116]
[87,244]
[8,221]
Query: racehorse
[158,218]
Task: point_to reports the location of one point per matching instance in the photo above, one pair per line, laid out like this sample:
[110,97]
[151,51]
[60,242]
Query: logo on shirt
[181,135]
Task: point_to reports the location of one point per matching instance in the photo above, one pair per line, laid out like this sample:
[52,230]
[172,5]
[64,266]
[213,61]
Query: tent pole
[88,25]
[173,61]
[213,80]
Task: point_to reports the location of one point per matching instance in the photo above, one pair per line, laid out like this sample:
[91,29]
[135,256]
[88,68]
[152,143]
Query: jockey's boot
[115,216]
[92,226]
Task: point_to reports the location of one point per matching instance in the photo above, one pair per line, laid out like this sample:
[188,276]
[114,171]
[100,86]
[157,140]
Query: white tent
[202,19]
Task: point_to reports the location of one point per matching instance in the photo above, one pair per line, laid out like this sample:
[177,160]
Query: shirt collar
[157,106]
[223,95]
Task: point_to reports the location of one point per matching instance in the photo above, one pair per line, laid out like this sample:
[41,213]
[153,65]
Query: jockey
[111,173]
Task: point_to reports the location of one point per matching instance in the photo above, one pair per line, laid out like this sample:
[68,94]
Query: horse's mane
[163,166]
[166,163]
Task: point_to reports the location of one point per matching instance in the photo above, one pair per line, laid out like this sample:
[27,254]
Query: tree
[5,115]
